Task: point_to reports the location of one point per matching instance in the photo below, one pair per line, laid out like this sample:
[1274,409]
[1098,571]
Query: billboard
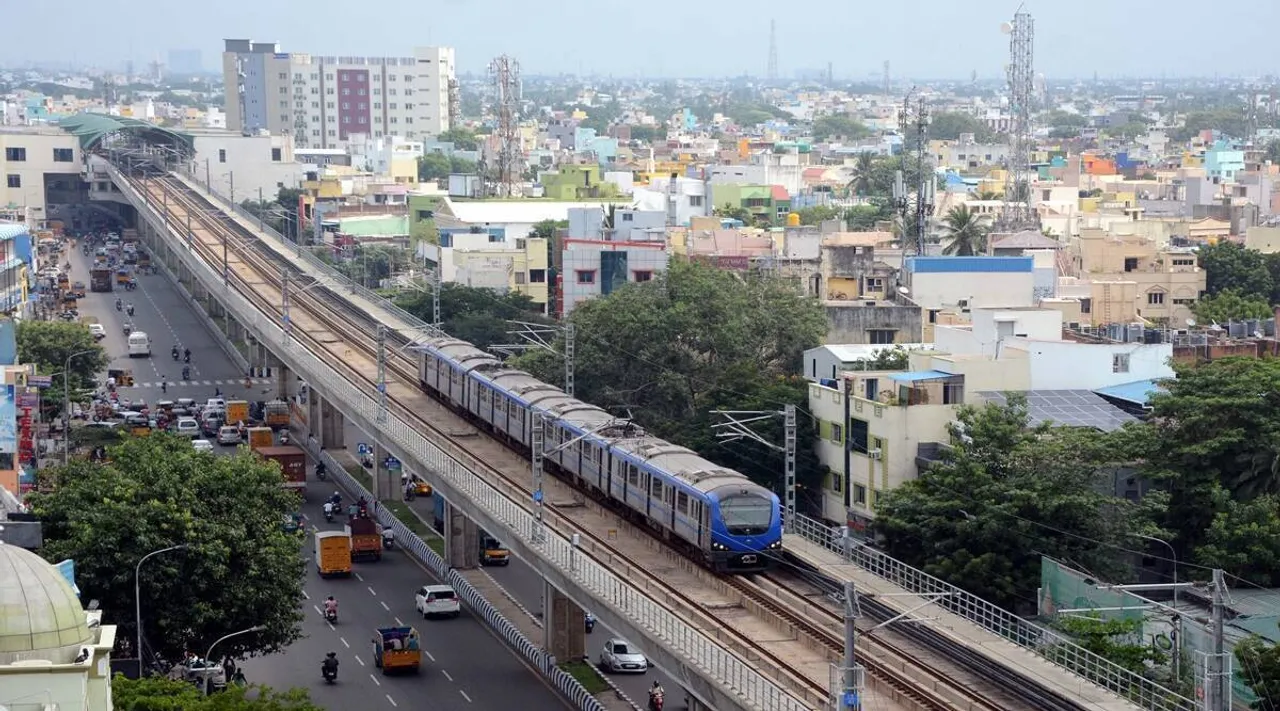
[8,421]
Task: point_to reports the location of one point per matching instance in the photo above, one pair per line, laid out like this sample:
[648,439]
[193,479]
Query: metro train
[716,515]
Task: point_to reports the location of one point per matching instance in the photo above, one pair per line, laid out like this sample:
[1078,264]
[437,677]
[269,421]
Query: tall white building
[321,101]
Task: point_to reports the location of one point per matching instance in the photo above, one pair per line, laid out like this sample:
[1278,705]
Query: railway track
[895,672]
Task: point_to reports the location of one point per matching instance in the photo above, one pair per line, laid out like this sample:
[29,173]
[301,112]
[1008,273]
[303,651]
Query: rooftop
[954,265]
[517,211]
[91,128]
[1070,408]
[40,615]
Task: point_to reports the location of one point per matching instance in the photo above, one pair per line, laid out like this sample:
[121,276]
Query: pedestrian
[164,384]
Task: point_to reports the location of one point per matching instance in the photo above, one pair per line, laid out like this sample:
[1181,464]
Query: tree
[1260,670]
[862,167]
[817,214]
[839,126]
[1273,152]
[863,218]
[479,316]
[463,139]
[1005,494]
[433,166]
[1233,266]
[1229,305]
[948,125]
[691,340]
[734,212]
[966,232]
[240,568]
[49,344]
[1244,540]
[648,133]
[895,358]
[1112,640]
[162,694]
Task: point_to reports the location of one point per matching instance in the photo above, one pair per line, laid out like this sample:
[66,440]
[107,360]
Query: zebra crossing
[195,383]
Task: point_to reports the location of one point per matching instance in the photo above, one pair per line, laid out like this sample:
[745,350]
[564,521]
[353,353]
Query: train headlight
[717,546]
[775,545]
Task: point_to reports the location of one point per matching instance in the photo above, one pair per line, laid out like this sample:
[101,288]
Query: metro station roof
[91,128]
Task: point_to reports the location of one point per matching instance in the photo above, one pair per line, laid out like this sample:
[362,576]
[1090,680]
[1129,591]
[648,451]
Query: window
[328,104]
[315,90]
[222,155]
[446,239]
[495,239]
[359,92]
[519,277]
[642,276]
[64,155]
[346,106]
[395,120]
[586,276]
[284,90]
[346,77]
[1155,298]
[1120,362]
[837,433]
[346,119]
[837,482]
[346,92]
[15,181]
[880,336]
[362,106]
[655,487]
[1086,306]
[537,276]
[391,92]
[682,502]
[377,104]
[859,494]
[15,154]
[628,217]
[875,284]
[1130,264]
[859,435]
[391,106]
[275,154]
[695,201]
[284,75]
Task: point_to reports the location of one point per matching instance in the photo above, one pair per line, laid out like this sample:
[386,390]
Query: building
[576,182]
[321,100]
[937,283]
[54,654]
[1158,285]
[522,270]
[36,160]
[15,265]
[768,204]
[829,361]
[591,268]
[390,156]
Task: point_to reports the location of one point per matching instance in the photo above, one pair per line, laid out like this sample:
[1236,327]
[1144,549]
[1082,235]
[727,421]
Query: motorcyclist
[388,538]
[656,693]
[186,353]
[330,666]
[328,510]
[129,309]
[336,499]
[174,352]
[119,304]
[330,607]
[320,470]
[186,372]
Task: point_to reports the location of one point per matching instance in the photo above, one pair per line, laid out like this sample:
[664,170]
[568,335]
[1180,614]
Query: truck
[237,412]
[366,538]
[293,464]
[276,414]
[333,553]
[397,649]
[260,436]
[492,552]
[100,279]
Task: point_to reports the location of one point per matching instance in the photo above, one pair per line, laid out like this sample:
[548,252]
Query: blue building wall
[255,90]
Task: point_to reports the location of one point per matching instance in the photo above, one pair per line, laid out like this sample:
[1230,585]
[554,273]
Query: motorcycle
[174,353]
[119,306]
[320,472]
[129,310]
[284,439]
[330,673]
[186,357]
[186,373]
[655,702]
[331,615]
[388,542]
[591,622]
[328,515]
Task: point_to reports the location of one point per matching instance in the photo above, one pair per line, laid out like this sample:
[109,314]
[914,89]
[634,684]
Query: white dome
[40,617]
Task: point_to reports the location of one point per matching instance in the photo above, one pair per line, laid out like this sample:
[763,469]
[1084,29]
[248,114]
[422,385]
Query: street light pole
[220,640]
[1177,620]
[137,596]
[66,404]
[261,209]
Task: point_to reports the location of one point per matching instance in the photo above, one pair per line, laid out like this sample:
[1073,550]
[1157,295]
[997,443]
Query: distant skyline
[665,38]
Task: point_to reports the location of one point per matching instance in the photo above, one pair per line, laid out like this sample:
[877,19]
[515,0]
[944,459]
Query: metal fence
[1045,643]
[497,499]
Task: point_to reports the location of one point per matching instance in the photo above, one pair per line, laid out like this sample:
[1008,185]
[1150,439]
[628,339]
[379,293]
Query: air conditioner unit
[874,454]
[963,303]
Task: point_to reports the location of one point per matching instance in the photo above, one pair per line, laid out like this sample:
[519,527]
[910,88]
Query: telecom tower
[771,73]
[887,84]
[455,103]
[505,72]
[914,203]
[1016,214]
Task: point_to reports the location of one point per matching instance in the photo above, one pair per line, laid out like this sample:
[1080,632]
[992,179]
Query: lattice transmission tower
[771,72]
[914,183]
[505,73]
[1016,214]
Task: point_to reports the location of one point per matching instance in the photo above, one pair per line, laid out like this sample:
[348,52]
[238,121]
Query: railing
[1045,643]
[605,587]
[409,541]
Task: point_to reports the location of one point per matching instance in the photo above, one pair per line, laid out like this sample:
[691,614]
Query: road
[526,587]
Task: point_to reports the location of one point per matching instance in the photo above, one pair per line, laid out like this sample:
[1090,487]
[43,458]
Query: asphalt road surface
[526,586]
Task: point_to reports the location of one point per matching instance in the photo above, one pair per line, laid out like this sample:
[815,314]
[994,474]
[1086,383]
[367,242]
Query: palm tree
[966,232]
[862,169]
[989,195]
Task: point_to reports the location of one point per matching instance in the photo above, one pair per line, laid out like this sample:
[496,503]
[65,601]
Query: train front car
[746,528]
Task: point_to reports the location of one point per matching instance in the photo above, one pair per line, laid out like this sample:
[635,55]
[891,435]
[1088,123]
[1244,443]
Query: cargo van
[139,345]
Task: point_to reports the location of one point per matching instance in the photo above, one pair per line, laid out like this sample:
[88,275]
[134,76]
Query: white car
[202,445]
[620,656]
[187,427]
[228,434]
[437,600]
[98,331]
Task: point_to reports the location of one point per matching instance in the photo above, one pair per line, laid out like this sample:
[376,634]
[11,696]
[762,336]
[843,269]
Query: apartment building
[322,100]
[31,156]
[593,268]
[1166,282]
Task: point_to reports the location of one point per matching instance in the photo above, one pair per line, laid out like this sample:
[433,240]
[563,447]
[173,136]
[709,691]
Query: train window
[682,502]
[655,487]
[633,475]
[747,515]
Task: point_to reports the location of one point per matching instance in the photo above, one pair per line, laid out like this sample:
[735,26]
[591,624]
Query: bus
[139,345]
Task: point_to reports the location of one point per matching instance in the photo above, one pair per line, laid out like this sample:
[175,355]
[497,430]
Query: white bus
[139,345]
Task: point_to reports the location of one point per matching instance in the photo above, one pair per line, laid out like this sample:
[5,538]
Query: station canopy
[91,128]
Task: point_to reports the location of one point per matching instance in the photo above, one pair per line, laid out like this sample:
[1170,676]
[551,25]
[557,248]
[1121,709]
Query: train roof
[460,352]
[680,462]
[517,382]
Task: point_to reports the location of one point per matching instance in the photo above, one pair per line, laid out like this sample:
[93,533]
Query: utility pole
[536,449]
[190,236]
[1219,692]
[850,699]
[569,332]
[284,305]
[231,176]
[208,176]
[226,270]
[261,209]
[536,336]
[737,426]
[435,297]
[382,373]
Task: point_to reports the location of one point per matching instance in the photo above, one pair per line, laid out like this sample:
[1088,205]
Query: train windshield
[746,515]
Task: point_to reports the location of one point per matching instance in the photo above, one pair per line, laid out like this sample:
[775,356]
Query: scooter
[591,622]
[655,702]
[284,438]
[388,542]
[328,515]
[330,673]
[320,472]
[331,616]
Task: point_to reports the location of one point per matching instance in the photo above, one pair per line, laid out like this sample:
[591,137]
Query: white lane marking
[344,642]
[371,590]
[305,595]
[358,659]
[317,609]
[399,623]
[393,701]
[384,606]
[446,674]
[427,653]
[464,695]
[358,577]
[375,680]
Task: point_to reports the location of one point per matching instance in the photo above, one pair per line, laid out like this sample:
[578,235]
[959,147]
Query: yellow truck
[237,411]
[277,414]
[397,649]
[260,436]
[333,553]
[492,552]
[366,538]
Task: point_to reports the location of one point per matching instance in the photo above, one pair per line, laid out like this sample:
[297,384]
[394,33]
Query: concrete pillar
[315,418]
[386,482]
[461,539]
[332,424]
[563,626]
[286,383]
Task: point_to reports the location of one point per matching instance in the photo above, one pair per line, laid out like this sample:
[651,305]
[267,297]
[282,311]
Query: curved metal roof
[92,128]
[40,616]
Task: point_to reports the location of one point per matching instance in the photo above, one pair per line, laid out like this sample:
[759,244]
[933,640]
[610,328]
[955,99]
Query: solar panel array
[1072,408]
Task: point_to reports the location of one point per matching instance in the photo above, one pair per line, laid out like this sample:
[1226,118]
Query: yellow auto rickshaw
[124,378]
[122,277]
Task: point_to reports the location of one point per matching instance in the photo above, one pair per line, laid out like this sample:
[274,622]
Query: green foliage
[478,316]
[1229,305]
[863,218]
[648,133]
[1064,119]
[839,126]
[241,569]
[1118,640]
[948,125]
[1259,664]
[161,694]
[1273,152]
[895,358]
[1228,120]
[1229,265]
[48,344]
[1007,493]
[966,232]
[546,229]
[817,214]
[695,339]
[1128,130]
[435,166]
[1244,540]
[734,212]
[463,139]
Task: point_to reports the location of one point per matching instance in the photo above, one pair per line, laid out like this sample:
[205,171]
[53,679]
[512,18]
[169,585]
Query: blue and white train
[717,515]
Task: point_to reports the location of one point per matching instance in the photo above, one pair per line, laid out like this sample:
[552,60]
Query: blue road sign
[537,496]
[850,700]
[391,463]
[382,387]
[362,448]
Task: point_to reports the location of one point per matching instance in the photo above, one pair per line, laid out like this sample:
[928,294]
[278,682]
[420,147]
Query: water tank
[793,219]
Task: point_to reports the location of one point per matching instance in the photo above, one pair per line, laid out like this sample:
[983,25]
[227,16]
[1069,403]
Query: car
[187,427]
[215,404]
[211,424]
[98,331]
[202,445]
[103,425]
[228,434]
[437,600]
[620,656]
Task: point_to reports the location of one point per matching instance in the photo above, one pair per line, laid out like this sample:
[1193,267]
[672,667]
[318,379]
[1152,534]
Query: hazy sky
[922,38]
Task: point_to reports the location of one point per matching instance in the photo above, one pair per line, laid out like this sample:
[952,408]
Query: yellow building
[1166,282]
[523,269]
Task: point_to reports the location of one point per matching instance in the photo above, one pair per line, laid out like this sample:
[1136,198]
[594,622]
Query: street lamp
[137,596]
[66,404]
[208,655]
[1177,623]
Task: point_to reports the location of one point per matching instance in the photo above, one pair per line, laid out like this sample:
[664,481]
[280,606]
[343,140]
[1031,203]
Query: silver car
[620,656]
